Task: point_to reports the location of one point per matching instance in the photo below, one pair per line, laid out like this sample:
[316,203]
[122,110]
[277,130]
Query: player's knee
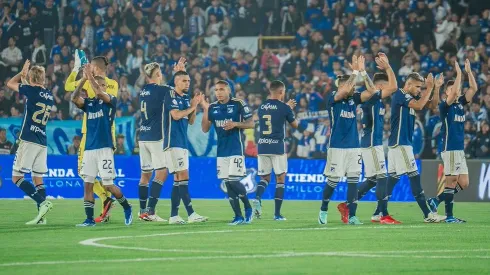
[451,181]
[266,177]
[145,178]
[161,175]
[89,180]
[354,175]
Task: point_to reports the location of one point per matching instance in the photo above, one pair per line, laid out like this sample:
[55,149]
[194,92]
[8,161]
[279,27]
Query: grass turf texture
[295,246]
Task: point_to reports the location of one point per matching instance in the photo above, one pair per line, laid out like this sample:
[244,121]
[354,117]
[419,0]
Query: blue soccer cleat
[87,222]
[354,221]
[452,219]
[237,221]
[128,216]
[249,215]
[433,204]
[279,218]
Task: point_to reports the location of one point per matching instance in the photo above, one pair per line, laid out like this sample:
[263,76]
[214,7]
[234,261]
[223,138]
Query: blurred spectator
[11,58]
[75,146]
[120,150]
[5,145]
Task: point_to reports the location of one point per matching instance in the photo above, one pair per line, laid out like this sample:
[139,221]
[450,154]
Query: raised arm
[384,64]
[75,97]
[370,88]
[14,82]
[473,86]
[345,89]
[205,123]
[95,86]
[455,91]
[420,104]
[435,99]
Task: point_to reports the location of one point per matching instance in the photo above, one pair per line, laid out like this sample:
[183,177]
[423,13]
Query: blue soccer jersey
[151,105]
[100,117]
[175,131]
[36,113]
[273,115]
[373,112]
[453,119]
[402,119]
[230,143]
[342,113]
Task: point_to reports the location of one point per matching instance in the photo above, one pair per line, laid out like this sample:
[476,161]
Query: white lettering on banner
[484,183]
[304,189]
[121,183]
[120,174]
[61,173]
[63,183]
[268,106]
[307,178]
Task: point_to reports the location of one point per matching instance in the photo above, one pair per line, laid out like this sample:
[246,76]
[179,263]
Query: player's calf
[128,216]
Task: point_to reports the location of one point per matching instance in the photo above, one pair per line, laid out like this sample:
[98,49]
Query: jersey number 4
[268,124]
[41,116]
[143,109]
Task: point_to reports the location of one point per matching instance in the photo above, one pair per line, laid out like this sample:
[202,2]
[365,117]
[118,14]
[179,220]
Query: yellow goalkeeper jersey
[71,84]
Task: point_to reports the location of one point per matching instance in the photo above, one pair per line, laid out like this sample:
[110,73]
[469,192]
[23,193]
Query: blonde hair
[37,75]
[151,68]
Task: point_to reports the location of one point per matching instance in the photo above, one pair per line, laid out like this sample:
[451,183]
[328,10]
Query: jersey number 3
[44,112]
[268,123]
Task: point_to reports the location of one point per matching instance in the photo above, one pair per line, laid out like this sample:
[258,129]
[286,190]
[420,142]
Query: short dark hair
[449,83]
[180,73]
[222,82]
[415,76]
[341,79]
[276,85]
[101,62]
[380,77]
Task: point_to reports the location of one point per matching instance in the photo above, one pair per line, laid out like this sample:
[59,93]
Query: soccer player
[152,158]
[229,117]
[344,156]
[372,152]
[98,157]
[179,112]
[273,115]
[401,159]
[99,65]
[31,156]
[453,118]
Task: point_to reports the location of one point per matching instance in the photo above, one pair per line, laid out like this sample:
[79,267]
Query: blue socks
[278,198]
[175,200]
[143,195]
[155,190]
[418,192]
[327,194]
[381,186]
[449,200]
[89,209]
[365,186]
[184,195]
[234,200]
[352,195]
[30,191]
[261,189]
[124,202]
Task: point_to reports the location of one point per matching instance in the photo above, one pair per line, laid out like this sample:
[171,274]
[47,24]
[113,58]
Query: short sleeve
[357,98]
[113,101]
[443,107]
[245,111]
[290,117]
[24,89]
[84,105]
[331,99]
[463,100]
[171,102]
[404,99]
[210,113]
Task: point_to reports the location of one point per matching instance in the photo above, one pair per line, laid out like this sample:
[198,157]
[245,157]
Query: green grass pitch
[296,246]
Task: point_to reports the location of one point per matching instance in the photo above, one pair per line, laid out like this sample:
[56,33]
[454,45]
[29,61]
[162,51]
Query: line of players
[167,111]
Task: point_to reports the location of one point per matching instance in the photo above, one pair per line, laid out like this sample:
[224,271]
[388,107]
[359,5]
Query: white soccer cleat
[176,220]
[375,218]
[194,217]
[44,208]
[156,218]
[434,218]
[322,217]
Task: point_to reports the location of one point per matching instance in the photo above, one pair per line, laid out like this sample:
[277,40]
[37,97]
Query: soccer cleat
[143,216]
[44,208]
[433,204]
[249,215]
[106,212]
[452,219]
[388,220]
[344,212]
[322,217]
[194,217]
[237,221]
[43,221]
[128,216]
[154,218]
[86,223]
[279,218]
[354,221]
[376,218]
[434,218]
[257,208]
[176,220]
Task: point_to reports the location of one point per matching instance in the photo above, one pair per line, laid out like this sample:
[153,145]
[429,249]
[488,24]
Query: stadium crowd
[424,36]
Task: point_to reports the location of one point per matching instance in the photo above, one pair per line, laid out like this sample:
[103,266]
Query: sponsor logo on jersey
[382,111]
[144,93]
[268,106]
[347,114]
[36,129]
[221,123]
[145,128]
[95,115]
[458,118]
[46,95]
[268,141]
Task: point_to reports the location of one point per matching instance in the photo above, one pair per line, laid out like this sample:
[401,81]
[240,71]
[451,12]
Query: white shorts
[374,161]
[176,159]
[152,156]
[98,162]
[30,158]
[401,160]
[268,162]
[233,166]
[343,163]
[454,163]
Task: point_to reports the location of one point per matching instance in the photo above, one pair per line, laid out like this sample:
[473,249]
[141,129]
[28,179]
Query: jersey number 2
[44,112]
[143,109]
[268,123]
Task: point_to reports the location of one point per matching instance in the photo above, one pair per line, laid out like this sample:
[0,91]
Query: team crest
[174,102]
[100,101]
[230,110]
[246,109]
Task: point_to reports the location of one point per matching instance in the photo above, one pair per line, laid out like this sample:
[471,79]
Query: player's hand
[361,63]
[382,61]
[291,103]
[354,65]
[457,68]
[87,71]
[429,81]
[180,66]
[205,104]
[229,125]
[439,80]
[196,100]
[25,69]
[467,66]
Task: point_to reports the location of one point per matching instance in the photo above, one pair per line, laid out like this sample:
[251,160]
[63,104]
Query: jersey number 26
[44,112]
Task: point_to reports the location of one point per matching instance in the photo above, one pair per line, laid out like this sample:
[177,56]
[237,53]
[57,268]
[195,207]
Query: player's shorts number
[143,109]
[238,162]
[107,164]
[44,112]
[268,123]
[360,159]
